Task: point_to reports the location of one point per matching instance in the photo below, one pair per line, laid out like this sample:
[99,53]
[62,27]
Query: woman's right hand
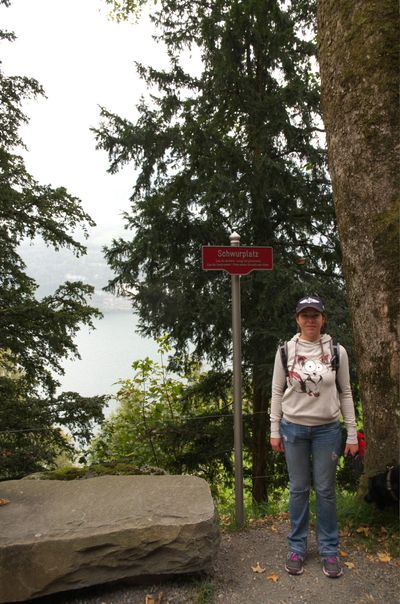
[277,445]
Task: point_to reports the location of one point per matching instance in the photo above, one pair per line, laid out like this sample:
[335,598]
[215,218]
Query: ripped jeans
[312,453]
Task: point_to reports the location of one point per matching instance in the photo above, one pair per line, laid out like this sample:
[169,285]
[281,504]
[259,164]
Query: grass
[364,525]
[205,593]
[253,511]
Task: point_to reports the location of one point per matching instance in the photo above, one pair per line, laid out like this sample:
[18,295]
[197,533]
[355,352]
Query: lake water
[107,355]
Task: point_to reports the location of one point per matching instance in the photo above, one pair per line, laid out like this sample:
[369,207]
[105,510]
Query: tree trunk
[259,462]
[357,42]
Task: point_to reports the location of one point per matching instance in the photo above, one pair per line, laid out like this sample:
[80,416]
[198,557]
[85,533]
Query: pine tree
[234,148]
[35,334]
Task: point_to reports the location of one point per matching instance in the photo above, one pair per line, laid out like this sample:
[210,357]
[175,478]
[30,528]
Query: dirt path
[369,580]
[366,579]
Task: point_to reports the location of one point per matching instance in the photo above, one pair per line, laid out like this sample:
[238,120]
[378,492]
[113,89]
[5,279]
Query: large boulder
[57,535]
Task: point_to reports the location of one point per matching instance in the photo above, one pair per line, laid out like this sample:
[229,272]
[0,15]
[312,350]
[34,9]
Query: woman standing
[308,398]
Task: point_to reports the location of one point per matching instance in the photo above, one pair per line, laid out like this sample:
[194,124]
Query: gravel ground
[249,569]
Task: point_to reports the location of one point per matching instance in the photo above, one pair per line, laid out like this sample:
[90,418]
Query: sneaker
[294,564]
[331,567]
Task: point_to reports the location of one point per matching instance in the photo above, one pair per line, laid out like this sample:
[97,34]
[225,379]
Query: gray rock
[57,536]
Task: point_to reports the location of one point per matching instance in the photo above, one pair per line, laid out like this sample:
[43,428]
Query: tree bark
[259,453]
[357,42]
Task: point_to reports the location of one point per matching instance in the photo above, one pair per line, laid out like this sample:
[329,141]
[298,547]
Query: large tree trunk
[359,71]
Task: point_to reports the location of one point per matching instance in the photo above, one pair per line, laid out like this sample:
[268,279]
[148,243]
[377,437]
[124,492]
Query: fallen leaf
[344,554]
[261,521]
[280,516]
[274,529]
[365,530]
[384,557]
[350,564]
[274,577]
[258,569]
[151,600]
[4,501]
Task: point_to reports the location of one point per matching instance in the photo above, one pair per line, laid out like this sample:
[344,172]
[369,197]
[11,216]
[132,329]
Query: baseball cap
[310,302]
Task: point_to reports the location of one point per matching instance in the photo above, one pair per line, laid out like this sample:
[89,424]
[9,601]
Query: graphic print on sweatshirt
[308,373]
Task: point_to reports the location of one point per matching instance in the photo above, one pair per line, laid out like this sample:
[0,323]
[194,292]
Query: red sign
[236,260]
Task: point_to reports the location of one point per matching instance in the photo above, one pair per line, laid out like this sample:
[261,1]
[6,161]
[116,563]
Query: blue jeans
[312,451]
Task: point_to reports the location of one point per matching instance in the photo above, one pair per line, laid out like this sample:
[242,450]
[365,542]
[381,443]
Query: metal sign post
[237,392]
[237,260]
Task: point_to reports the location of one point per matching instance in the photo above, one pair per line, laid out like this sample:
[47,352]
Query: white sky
[83,60]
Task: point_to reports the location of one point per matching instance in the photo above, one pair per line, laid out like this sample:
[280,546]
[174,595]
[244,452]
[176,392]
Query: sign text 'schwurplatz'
[236,260]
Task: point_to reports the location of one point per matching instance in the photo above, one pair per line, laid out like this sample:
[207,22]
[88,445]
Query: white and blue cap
[310,302]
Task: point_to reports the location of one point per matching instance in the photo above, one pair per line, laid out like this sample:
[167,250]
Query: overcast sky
[83,60]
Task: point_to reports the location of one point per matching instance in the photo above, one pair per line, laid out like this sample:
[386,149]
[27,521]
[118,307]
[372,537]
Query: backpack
[335,360]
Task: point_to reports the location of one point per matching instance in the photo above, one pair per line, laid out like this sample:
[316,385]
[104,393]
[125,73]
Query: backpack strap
[283,350]
[335,361]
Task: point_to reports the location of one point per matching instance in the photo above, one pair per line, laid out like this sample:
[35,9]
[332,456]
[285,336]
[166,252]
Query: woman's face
[310,322]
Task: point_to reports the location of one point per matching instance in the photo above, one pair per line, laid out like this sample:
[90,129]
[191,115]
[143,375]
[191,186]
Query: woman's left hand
[350,449]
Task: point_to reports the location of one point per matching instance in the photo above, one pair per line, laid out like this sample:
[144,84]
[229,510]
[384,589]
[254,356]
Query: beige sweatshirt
[311,397]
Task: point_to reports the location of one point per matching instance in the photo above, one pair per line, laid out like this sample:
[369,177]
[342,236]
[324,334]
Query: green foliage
[36,334]
[180,423]
[31,433]
[123,10]
[236,148]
